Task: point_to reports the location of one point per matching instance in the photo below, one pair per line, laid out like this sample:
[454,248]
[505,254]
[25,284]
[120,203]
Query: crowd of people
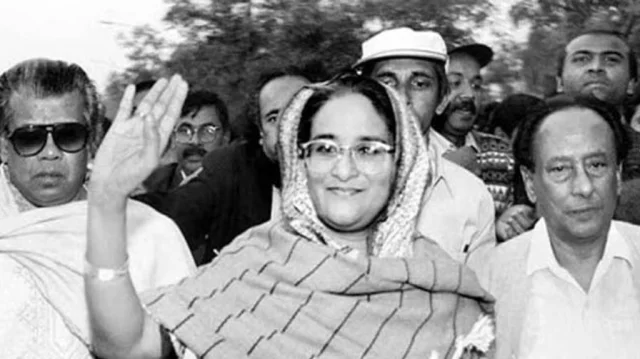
[389,211]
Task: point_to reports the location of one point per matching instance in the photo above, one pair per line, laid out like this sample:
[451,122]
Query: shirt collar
[437,159]
[541,254]
[441,144]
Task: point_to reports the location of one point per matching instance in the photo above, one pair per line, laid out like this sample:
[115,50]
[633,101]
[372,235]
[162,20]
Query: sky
[75,31]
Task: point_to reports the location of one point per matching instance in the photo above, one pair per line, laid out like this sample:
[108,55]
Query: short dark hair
[252,107]
[196,100]
[44,78]
[441,75]
[511,111]
[524,144]
[366,86]
[633,60]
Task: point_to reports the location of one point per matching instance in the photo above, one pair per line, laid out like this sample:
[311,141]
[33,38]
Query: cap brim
[481,53]
[424,55]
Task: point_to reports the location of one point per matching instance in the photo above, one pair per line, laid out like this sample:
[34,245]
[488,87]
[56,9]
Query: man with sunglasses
[203,127]
[49,124]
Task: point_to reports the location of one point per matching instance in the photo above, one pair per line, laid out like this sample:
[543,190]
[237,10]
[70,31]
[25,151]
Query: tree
[226,44]
[554,22]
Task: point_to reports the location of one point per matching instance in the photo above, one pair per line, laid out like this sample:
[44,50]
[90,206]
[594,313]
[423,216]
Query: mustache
[193,150]
[463,104]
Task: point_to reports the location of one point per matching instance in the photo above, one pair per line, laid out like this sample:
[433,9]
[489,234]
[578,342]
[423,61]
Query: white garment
[458,213]
[562,321]
[442,145]
[276,203]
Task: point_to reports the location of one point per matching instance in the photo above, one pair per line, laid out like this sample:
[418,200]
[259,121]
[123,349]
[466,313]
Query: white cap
[404,42]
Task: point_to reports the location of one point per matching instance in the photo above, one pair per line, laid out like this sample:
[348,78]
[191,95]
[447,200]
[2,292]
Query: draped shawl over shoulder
[279,290]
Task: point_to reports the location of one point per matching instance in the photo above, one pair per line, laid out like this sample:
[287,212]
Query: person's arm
[484,239]
[130,151]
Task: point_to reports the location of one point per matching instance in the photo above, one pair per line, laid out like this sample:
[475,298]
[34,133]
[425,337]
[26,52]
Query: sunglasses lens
[71,137]
[28,141]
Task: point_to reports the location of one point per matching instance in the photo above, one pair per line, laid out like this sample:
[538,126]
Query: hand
[514,221]
[132,148]
[466,157]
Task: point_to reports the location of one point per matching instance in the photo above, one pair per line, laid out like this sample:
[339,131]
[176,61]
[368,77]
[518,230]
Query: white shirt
[458,213]
[442,145]
[562,321]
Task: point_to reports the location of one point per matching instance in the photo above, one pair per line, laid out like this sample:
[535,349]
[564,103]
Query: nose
[345,167]
[582,183]
[597,64]
[50,150]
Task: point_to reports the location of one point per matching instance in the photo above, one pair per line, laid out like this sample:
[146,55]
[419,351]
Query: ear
[631,87]
[559,85]
[619,179]
[4,148]
[527,179]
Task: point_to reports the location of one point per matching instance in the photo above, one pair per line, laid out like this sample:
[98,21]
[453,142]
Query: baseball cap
[403,42]
[479,52]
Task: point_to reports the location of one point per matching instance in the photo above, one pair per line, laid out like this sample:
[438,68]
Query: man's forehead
[463,64]
[279,91]
[404,65]
[27,102]
[597,43]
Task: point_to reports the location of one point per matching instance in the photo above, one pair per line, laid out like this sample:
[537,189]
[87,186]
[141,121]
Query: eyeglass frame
[304,151]
[49,131]
[195,132]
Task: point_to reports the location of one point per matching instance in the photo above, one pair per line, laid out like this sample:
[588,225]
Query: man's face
[274,96]
[52,176]
[575,183]
[597,65]
[465,84]
[416,82]
[197,134]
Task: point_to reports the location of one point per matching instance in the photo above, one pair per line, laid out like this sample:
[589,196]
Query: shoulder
[506,264]
[462,182]
[630,232]
[160,178]
[229,157]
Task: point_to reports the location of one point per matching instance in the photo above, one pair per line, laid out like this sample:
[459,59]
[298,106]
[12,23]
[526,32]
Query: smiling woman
[341,273]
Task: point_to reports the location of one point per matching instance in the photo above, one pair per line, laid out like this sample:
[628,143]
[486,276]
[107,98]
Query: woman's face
[347,193]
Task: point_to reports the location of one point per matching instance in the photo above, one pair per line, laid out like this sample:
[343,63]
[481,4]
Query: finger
[162,103]
[522,220]
[517,228]
[151,147]
[173,110]
[151,98]
[126,104]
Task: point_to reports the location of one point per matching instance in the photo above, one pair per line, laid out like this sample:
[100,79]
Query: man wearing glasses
[49,126]
[203,126]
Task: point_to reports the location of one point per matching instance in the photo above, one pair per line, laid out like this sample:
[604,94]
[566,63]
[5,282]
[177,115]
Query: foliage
[226,44]
[554,22]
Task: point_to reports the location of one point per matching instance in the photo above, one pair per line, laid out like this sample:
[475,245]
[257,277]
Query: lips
[49,179]
[584,213]
[344,191]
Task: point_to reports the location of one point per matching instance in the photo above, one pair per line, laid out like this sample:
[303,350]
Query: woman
[340,274]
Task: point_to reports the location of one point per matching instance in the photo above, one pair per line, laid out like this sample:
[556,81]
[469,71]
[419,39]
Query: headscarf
[395,230]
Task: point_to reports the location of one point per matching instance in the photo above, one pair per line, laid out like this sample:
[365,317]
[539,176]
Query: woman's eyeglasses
[370,157]
[205,133]
[70,137]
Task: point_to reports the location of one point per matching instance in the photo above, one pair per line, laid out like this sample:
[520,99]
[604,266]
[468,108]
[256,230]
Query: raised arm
[129,153]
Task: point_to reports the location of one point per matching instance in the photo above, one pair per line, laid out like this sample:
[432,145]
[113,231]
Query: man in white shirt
[457,211]
[569,288]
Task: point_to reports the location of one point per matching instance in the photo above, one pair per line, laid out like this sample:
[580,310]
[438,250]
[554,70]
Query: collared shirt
[561,320]
[442,145]
[458,213]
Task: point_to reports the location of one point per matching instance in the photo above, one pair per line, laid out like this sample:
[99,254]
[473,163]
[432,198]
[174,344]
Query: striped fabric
[285,289]
[284,296]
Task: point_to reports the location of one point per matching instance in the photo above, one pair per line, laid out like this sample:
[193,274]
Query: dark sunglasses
[70,137]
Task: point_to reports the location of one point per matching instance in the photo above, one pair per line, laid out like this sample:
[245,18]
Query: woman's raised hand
[132,148]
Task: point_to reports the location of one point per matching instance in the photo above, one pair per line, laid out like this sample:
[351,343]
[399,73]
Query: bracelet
[105,274]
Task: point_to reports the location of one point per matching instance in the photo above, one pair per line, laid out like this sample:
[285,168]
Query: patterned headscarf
[395,229]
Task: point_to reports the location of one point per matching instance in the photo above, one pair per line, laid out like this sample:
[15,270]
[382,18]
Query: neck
[579,258]
[458,139]
[356,240]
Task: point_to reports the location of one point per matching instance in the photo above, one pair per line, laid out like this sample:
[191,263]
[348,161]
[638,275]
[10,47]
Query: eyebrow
[587,156]
[328,136]
[589,52]
[275,111]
